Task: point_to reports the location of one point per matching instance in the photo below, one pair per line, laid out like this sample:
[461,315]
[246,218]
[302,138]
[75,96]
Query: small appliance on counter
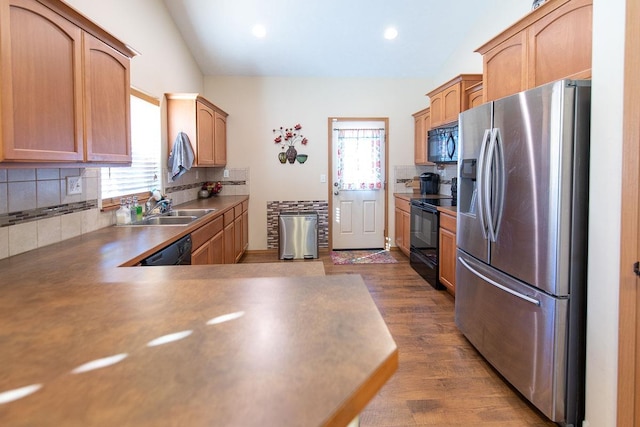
[429,183]
[454,189]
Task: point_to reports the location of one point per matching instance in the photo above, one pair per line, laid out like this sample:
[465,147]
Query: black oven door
[423,256]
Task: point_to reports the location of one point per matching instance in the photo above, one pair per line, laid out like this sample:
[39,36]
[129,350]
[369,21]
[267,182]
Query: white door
[358,182]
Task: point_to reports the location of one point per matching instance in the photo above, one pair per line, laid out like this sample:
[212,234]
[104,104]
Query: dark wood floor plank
[441,379]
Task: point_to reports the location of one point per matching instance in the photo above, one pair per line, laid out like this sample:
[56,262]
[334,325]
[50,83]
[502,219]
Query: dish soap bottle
[138,208]
[123,215]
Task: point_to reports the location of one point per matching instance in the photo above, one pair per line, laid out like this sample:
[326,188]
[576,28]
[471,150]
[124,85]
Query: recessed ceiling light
[390,33]
[259,31]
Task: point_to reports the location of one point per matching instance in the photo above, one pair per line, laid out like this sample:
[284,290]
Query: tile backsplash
[404,174]
[35,209]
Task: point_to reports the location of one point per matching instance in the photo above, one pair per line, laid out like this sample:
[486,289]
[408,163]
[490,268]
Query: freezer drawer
[298,235]
[522,332]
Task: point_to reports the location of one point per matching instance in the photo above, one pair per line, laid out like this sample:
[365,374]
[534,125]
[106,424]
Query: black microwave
[443,144]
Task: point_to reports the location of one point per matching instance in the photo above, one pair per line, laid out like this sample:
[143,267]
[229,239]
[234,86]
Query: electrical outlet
[225,173]
[197,175]
[74,185]
[323,178]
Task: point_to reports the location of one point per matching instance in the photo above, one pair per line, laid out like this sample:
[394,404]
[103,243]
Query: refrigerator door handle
[495,182]
[480,182]
[498,285]
[487,182]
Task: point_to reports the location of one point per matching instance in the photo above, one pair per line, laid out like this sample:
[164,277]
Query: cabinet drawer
[229,216]
[245,206]
[403,205]
[206,232]
[237,210]
[448,222]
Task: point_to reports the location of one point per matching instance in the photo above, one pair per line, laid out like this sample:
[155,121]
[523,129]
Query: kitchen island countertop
[251,352]
[304,350]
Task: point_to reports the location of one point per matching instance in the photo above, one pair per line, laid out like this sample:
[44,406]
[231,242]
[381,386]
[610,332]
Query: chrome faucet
[160,207]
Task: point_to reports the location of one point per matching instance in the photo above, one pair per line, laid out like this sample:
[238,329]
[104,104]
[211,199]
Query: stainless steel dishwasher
[298,235]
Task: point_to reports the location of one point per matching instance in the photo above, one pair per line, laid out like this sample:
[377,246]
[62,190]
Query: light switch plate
[74,185]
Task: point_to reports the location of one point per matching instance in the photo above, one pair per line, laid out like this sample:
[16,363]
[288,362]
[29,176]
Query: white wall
[491,21]
[165,63]
[604,212]
[258,105]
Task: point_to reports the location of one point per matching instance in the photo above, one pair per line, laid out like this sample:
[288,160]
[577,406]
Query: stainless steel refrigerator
[522,241]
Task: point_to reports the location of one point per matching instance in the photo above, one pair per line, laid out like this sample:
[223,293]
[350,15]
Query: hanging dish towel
[181,157]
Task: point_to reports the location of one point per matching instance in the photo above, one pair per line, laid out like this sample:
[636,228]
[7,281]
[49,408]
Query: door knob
[335,193]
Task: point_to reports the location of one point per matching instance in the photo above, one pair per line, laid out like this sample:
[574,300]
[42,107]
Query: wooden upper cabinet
[560,44]
[437,115]
[450,99]
[422,121]
[552,42]
[451,103]
[220,138]
[59,102]
[107,103]
[204,123]
[41,84]
[474,95]
[505,68]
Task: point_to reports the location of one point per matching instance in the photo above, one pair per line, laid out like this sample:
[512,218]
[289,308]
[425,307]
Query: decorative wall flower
[287,137]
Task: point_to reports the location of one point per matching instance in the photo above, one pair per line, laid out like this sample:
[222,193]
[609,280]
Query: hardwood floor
[442,380]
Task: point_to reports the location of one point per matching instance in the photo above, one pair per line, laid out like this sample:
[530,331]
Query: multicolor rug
[376,256]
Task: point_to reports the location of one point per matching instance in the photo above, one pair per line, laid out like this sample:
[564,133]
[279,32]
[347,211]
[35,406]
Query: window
[359,158]
[144,173]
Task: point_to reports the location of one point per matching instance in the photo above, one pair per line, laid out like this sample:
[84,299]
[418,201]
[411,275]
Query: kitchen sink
[188,212]
[166,220]
[174,217]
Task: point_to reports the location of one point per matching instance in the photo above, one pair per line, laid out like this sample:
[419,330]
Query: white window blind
[144,173]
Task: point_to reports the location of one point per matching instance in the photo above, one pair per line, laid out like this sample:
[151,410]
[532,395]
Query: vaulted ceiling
[328,38]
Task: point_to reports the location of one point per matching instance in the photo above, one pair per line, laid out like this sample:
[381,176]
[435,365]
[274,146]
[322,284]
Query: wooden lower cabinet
[447,260]
[224,239]
[403,225]
[229,237]
[201,255]
[206,243]
[237,237]
[245,228]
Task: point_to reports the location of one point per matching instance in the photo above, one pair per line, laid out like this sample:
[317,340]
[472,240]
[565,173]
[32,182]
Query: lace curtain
[359,152]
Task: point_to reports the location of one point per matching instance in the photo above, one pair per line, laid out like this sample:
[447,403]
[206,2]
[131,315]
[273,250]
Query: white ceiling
[326,38]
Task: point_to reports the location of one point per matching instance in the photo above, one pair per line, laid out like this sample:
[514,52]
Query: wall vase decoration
[287,138]
[291,154]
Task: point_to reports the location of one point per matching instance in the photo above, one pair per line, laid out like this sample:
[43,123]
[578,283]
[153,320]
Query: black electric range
[425,223]
[430,202]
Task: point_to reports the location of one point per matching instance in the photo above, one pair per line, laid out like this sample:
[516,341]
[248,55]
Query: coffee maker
[429,183]
[454,189]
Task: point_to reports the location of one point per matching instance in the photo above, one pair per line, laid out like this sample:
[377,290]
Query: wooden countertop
[309,350]
[305,352]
